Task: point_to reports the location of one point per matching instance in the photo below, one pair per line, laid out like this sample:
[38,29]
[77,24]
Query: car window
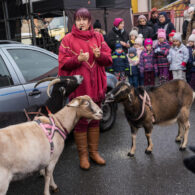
[5,77]
[34,65]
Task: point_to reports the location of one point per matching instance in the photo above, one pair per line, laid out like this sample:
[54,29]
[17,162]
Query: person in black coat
[144,28]
[118,35]
[154,17]
[185,24]
[163,23]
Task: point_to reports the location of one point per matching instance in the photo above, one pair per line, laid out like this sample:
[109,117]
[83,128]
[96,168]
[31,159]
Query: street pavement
[161,173]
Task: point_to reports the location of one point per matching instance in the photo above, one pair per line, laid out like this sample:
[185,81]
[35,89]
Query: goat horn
[44,80]
[56,80]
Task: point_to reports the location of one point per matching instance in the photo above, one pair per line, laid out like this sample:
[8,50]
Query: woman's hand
[123,44]
[96,51]
[83,57]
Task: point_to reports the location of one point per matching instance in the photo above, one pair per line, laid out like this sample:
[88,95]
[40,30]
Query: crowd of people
[152,49]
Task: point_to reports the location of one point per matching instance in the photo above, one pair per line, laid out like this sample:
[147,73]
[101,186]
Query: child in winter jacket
[139,48]
[161,51]
[171,37]
[139,44]
[148,69]
[190,73]
[120,66]
[133,64]
[132,36]
[178,58]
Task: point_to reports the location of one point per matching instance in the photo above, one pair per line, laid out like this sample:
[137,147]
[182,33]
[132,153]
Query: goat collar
[145,101]
[50,129]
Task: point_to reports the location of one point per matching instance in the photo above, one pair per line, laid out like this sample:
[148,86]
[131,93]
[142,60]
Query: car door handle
[34,92]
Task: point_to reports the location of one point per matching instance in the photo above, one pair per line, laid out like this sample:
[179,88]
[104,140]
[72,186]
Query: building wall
[142,5]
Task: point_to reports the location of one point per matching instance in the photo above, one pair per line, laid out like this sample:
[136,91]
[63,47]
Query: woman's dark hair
[82,13]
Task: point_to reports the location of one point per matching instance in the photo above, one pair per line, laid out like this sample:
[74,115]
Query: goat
[165,104]
[26,147]
[62,88]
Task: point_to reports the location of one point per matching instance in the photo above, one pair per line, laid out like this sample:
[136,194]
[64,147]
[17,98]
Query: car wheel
[109,116]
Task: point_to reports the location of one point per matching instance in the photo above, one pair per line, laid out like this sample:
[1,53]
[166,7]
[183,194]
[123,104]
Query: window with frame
[5,77]
[33,64]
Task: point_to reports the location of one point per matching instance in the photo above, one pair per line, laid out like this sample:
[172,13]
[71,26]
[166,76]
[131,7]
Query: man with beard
[154,17]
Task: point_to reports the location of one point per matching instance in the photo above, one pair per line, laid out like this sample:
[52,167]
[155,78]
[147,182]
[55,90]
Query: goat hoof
[55,190]
[148,152]
[130,155]
[177,140]
[182,148]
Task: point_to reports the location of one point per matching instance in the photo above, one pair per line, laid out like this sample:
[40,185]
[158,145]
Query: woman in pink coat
[84,52]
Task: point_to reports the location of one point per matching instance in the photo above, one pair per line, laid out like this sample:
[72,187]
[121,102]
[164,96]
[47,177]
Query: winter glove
[157,50]
[183,64]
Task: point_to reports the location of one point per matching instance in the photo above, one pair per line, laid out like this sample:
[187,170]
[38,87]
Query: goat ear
[74,103]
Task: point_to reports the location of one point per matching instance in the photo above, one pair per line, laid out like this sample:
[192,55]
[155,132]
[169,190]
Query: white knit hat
[139,39]
[192,36]
[134,32]
[177,36]
[190,9]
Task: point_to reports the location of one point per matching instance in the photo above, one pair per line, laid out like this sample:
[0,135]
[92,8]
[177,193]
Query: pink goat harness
[50,129]
[145,101]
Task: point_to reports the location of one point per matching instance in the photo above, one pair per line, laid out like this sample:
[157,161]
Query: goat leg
[133,137]
[53,185]
[148,133]
[179,137]
[186,132]
[150,144]
[5,178]
[47,181]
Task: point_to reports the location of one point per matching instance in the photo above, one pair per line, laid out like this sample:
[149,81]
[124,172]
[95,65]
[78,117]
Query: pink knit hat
[117,21]
[148,42]
[161,33]
[139,40]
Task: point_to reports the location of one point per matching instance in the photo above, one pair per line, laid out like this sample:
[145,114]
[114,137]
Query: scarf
[84,35]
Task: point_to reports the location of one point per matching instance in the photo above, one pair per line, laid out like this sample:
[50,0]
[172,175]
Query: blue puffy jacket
[120,63]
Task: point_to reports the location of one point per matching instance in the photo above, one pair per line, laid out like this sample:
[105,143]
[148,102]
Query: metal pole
[32,23]
[6,20]
[64,15]
[105,20]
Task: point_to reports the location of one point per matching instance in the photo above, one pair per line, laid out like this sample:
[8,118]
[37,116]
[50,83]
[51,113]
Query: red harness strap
[37,113]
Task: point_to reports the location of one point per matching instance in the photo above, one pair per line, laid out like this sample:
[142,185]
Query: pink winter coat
[93,71]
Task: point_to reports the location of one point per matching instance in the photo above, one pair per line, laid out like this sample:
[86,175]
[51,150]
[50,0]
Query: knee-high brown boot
[93,141]
[82,147]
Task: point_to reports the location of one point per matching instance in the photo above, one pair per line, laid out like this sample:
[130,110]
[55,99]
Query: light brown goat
[168,103]
[25,148]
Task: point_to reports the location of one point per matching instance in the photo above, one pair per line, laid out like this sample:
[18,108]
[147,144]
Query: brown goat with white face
[170,102]
[26,148]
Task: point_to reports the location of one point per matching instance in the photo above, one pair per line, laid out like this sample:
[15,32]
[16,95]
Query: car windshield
[57,22]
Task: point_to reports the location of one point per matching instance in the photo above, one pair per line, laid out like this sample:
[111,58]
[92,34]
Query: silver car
[21,66]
